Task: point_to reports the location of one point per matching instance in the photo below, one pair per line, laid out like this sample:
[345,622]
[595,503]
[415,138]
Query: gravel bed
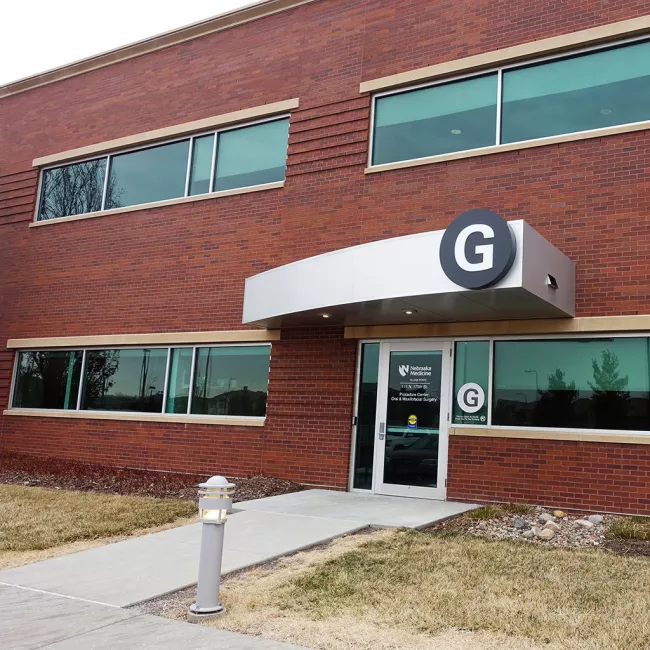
[19,469]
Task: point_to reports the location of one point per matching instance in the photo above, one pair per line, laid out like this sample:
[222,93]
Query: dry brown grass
[408,590]
[35,521]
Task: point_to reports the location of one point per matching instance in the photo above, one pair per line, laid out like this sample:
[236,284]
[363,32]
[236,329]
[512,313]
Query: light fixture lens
[605,111]
[456,131]
[325,315]
[410,312]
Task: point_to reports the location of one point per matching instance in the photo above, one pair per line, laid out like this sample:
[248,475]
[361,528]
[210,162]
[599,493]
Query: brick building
[387,245]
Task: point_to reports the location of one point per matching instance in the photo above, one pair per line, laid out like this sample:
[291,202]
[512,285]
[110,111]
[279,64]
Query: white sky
[38,35]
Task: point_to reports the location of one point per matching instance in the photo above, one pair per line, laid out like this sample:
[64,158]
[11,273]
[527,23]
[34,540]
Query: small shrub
[629,528]
[500,510]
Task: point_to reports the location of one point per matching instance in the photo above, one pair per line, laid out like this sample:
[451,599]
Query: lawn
[36,521]
[413,590]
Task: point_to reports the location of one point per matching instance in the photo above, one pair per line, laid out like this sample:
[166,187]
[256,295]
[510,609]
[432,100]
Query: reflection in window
[124,380]
[472,365]
[201,169]
[180,372]
[47,380]
[231,381]
[366,409]
[587,384]
[436,120]
[148,175]
[590,91]
[72,189]
[252,155]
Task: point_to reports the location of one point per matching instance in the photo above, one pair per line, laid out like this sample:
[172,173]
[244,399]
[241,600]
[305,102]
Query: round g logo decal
[471,398]
[478,249]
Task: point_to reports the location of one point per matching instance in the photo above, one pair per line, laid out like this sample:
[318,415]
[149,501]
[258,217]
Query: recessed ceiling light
[605,111]
[325,315]
[456,131]
[410,312]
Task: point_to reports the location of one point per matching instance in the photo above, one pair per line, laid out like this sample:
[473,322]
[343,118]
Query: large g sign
[470,398]
[478,249]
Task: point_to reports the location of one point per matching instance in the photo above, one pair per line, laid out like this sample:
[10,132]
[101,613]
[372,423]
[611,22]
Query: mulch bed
[627,547]
[18,469]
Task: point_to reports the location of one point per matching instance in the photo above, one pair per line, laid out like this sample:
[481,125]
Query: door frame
[446,379]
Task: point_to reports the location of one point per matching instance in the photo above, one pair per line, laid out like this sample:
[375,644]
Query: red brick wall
[182,268]
[584,475]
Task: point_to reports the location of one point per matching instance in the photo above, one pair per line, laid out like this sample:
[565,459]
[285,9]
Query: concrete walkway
[31,620]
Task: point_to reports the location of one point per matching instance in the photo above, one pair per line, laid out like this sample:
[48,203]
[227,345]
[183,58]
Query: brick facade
[182,267]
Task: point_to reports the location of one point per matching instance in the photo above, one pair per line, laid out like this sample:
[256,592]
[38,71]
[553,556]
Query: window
[228,380]
[596,89]
[573,383]
[253,155]
[231,381]
[472,366]
[242,156]
[47,380]
[436,120]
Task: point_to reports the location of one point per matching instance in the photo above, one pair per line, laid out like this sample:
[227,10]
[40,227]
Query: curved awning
[378,282]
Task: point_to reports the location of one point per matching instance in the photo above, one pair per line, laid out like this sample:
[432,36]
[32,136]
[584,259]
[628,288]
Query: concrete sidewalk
[31,620]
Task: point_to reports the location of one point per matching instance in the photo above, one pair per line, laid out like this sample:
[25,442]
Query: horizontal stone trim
[171,338]
[139,417]
[159,204]
[530,50]
[538,434]
[153,44]
[168,132]
[514,146]
[580,325]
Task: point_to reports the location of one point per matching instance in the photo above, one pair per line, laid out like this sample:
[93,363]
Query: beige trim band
[581,325]
[514,146]
[160,204]
[139,417]
[546,46]
[492,432]
[171,338]
[169,132]
[153,44]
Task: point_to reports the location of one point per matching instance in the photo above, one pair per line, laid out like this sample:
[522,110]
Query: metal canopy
[376,283]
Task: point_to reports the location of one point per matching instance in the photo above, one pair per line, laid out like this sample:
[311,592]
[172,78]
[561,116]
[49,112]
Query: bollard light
[215,499]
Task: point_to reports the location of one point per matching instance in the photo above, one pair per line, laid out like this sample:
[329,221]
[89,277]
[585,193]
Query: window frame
[143,414]
[499,70]
[109,155]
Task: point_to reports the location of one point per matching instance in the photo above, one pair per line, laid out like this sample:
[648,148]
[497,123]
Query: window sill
[514,146]
[141,417]
[160,204]
[587,435]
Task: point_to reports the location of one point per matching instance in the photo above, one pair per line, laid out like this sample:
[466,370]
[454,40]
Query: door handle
[382,430]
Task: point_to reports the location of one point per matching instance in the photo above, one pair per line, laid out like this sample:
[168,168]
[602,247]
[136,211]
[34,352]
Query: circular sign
[478,249]
[471,398]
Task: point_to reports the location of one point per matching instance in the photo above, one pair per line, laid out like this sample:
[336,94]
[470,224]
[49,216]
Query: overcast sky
[38,35]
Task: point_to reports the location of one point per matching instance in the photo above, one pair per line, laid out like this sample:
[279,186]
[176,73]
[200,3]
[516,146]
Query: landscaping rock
[551,525]
[545,516]
[520,523]
[528,534]
[584,523]
[560,514]
[545,534]
[596,519]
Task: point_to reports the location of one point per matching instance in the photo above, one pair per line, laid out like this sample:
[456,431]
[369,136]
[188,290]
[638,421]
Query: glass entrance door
[412,411]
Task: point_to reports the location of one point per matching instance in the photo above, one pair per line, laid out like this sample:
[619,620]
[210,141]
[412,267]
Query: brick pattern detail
[585,475]
[183,267]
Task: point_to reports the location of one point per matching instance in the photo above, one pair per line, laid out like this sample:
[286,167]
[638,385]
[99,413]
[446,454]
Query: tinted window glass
[124,380]
[366,409]
[72,189]
[589,384]
[148,175]
[472,366]
[47,380]
[436,120]
[201,165]
[180,371]
[231,381]
[252,155]
[585,92]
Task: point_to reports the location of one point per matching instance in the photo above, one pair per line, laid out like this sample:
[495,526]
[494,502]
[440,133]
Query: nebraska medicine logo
[478,249]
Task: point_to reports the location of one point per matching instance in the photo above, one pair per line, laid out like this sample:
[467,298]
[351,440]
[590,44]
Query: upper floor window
[241,156]
[567,94]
